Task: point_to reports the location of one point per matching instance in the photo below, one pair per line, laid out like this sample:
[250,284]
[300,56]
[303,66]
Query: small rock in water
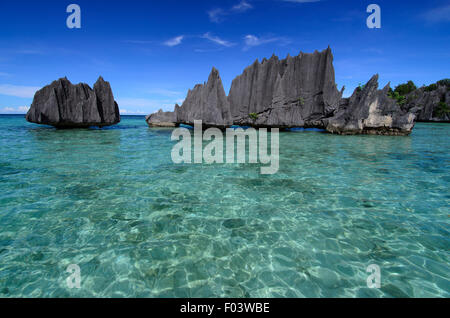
[233,223]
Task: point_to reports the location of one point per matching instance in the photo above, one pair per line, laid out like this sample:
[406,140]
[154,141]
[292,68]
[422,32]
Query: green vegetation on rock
[431,88]
[400,92]
[441,110]
[401,100]
[360,87]
[444,82]
[253,116]
[405,89]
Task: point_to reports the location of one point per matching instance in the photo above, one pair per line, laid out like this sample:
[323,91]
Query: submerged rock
[297,91]
[370,111]
[64,105]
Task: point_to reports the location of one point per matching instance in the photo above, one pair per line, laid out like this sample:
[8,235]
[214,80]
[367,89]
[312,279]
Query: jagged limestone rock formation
[431,105]
[370,111]
[207,102]
[295,92]
[64,105]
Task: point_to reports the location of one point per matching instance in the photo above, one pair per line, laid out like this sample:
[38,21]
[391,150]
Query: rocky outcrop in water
[207,102]
[162,119]
[297,91]
[64,105]
[370,111]
[432,103]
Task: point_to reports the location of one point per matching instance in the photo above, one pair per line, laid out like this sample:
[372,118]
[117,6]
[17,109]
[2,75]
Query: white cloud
[164,92]
[161,98]
[252,41]
[175,41]
[137,42]
[242,6]
[136,102]
[132,112]
[217,40]
[217,15]
[144,105]
[301,1]
[441,14]
[12,110]
[23,108]
[18,91]
[208,51]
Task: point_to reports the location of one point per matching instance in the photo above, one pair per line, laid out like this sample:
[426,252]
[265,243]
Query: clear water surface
[113,202]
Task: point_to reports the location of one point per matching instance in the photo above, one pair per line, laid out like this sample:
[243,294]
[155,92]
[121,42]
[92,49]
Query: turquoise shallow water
[138,225]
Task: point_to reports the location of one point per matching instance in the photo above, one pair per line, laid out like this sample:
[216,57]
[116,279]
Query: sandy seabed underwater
[138,225]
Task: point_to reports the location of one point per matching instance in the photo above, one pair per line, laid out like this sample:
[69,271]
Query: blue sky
[152,52]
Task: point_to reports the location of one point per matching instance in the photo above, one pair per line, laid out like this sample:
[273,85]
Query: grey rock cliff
[64,105]
[370,111]
[427,104]
[207,102]
[297,91]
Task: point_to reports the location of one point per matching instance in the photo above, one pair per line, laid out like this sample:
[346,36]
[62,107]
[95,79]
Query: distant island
[301,91]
